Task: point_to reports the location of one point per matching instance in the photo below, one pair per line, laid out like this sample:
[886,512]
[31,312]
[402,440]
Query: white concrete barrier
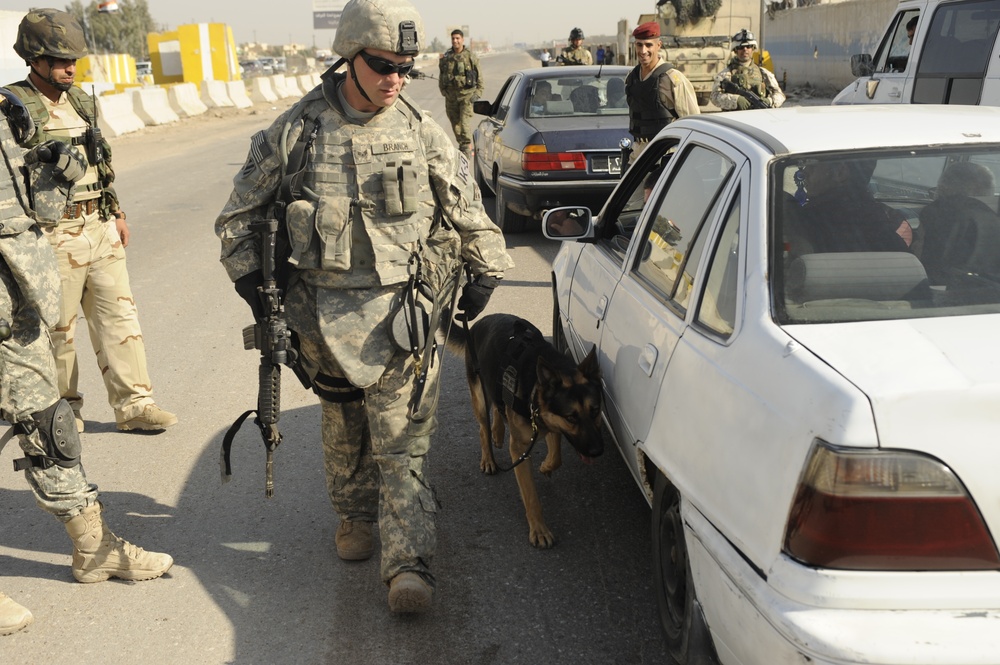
[237,91]
[184,100]
[152,106]
[214,94]
[306,82]
[116,115]
[280,89]
[261,90]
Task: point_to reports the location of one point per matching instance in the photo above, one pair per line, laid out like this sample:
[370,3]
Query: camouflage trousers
[93,274]
[27,386]
[375,468]
[459,110]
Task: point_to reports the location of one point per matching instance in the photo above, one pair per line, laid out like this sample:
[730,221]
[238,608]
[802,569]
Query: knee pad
[56,427]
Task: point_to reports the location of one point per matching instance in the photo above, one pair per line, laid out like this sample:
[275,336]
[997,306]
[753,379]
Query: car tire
[558,334]
[689,641]
[508,220]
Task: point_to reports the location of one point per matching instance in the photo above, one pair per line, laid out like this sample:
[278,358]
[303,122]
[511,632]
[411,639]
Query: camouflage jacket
[576,56]
[459,74]
[758,80]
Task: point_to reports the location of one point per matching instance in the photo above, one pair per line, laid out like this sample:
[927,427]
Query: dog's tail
[458,337]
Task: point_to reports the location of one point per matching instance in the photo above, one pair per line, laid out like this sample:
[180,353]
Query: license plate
[606,164]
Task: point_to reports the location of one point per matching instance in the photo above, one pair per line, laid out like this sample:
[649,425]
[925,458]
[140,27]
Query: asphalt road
[257,580]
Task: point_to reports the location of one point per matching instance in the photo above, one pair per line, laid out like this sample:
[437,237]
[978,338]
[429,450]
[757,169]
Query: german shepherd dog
[519,378]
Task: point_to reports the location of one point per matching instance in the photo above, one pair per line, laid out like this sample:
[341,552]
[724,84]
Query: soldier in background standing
[375,171]
[91,237]
[29,398]
[576,53]
[461,83]
[746,75]
[657,93]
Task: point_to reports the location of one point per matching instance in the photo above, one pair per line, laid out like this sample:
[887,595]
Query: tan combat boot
[151,419]
[409,592]
[354,541]
[99,554]
[13,616]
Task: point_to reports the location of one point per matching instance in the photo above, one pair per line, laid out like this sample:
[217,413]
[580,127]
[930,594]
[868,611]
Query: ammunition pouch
[56,427]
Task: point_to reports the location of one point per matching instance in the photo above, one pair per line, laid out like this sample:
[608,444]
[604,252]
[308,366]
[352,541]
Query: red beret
[650,30]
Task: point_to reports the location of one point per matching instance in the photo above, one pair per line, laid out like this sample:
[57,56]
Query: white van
[954,57]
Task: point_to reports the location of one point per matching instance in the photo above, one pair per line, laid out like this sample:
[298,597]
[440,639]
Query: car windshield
[568,96]
[885,235]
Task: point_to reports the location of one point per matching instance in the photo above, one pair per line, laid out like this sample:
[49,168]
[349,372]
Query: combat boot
[354,541]
[99,554]
[409,593]
[152,419]
[13,616]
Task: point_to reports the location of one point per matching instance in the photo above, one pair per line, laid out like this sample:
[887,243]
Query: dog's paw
[488,466]
[548,467]
[541,537]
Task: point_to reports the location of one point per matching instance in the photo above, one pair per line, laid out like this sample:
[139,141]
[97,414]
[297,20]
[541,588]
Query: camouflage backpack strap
[32,100]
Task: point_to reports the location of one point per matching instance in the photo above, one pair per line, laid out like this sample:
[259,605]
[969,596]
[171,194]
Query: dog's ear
[589,366]
[546,373]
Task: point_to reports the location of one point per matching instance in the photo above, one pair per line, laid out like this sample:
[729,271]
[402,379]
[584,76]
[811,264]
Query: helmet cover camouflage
[386,25]
[50,32]
[744,38]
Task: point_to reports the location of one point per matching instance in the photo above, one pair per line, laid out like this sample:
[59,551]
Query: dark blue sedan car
[552,137]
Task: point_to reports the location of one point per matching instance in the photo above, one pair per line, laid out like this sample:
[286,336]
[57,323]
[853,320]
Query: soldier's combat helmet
[744,38]
[576,33]
[52,33]
[387,25]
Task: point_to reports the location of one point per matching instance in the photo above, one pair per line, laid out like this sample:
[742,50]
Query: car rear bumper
[533,197]
[752,622]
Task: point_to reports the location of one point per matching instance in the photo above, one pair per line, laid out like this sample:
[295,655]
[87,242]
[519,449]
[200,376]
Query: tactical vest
[373,201]
[86,107]
[749,77]
[647,116]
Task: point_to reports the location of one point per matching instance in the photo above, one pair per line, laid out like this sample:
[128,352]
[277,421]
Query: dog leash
[489,409]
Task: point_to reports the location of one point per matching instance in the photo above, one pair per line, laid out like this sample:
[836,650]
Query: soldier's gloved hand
[66,161]
[246,286]
[475,295]
[742,103]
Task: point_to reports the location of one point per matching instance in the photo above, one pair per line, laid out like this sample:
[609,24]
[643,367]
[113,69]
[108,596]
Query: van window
[956,52]
[894,53]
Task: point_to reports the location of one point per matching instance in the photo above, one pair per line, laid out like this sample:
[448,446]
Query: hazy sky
[500,21]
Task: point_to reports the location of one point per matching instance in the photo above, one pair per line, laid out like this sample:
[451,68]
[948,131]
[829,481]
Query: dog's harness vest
[520,360]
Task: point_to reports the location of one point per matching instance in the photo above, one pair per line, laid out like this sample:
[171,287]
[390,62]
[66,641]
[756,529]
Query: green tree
[123,31]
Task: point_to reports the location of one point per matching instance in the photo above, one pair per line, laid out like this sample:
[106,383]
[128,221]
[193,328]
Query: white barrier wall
[152,106]
[261,90]
[184,100]
[214,94]
[306,82]
[237,91]
[280,89]
[116,115]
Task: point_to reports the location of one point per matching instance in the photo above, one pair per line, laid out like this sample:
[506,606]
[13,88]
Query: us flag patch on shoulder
[259,151]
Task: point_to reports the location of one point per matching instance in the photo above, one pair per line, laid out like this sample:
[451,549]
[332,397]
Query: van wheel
[508,220]
[688,638]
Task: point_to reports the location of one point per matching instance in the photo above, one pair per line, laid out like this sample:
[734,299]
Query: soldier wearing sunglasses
[367,184]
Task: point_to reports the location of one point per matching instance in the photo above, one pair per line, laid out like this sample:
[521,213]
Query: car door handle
[647,359]
[602,308]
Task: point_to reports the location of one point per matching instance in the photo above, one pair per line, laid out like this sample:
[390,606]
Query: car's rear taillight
[885,510]
[537,158]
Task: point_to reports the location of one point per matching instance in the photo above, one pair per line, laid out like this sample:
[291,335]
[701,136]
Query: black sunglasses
[384,67]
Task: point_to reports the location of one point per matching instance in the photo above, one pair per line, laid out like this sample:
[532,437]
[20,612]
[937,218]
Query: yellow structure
[118,68]
[194,53]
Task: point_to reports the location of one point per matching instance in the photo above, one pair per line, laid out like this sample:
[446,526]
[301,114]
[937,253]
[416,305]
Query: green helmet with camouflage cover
[50,32]
[387,25]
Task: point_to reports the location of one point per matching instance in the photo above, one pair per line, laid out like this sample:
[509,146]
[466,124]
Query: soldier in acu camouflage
[377,172]
[34,190]
[748,75]
[461,82]
[91,234]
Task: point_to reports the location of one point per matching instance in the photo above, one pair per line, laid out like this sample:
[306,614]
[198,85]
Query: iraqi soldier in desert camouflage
[576,53]
[92,234]
[34,190]
[461,83]
[376,172]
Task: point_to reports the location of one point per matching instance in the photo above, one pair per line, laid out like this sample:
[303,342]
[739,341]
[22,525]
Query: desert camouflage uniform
[456,70]
[577,56]
[94,274]
[351,249]
[29,302]
[758,80]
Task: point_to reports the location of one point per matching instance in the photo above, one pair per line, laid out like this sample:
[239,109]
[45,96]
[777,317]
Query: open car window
[885,234]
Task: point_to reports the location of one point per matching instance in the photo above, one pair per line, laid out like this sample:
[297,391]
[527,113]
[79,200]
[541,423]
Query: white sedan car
[797,313]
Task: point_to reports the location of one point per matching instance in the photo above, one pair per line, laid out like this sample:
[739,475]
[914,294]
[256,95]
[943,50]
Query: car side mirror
[569,223]
[861,65]
[482,107]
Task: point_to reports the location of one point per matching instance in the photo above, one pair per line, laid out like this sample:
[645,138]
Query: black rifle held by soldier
[733,89]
